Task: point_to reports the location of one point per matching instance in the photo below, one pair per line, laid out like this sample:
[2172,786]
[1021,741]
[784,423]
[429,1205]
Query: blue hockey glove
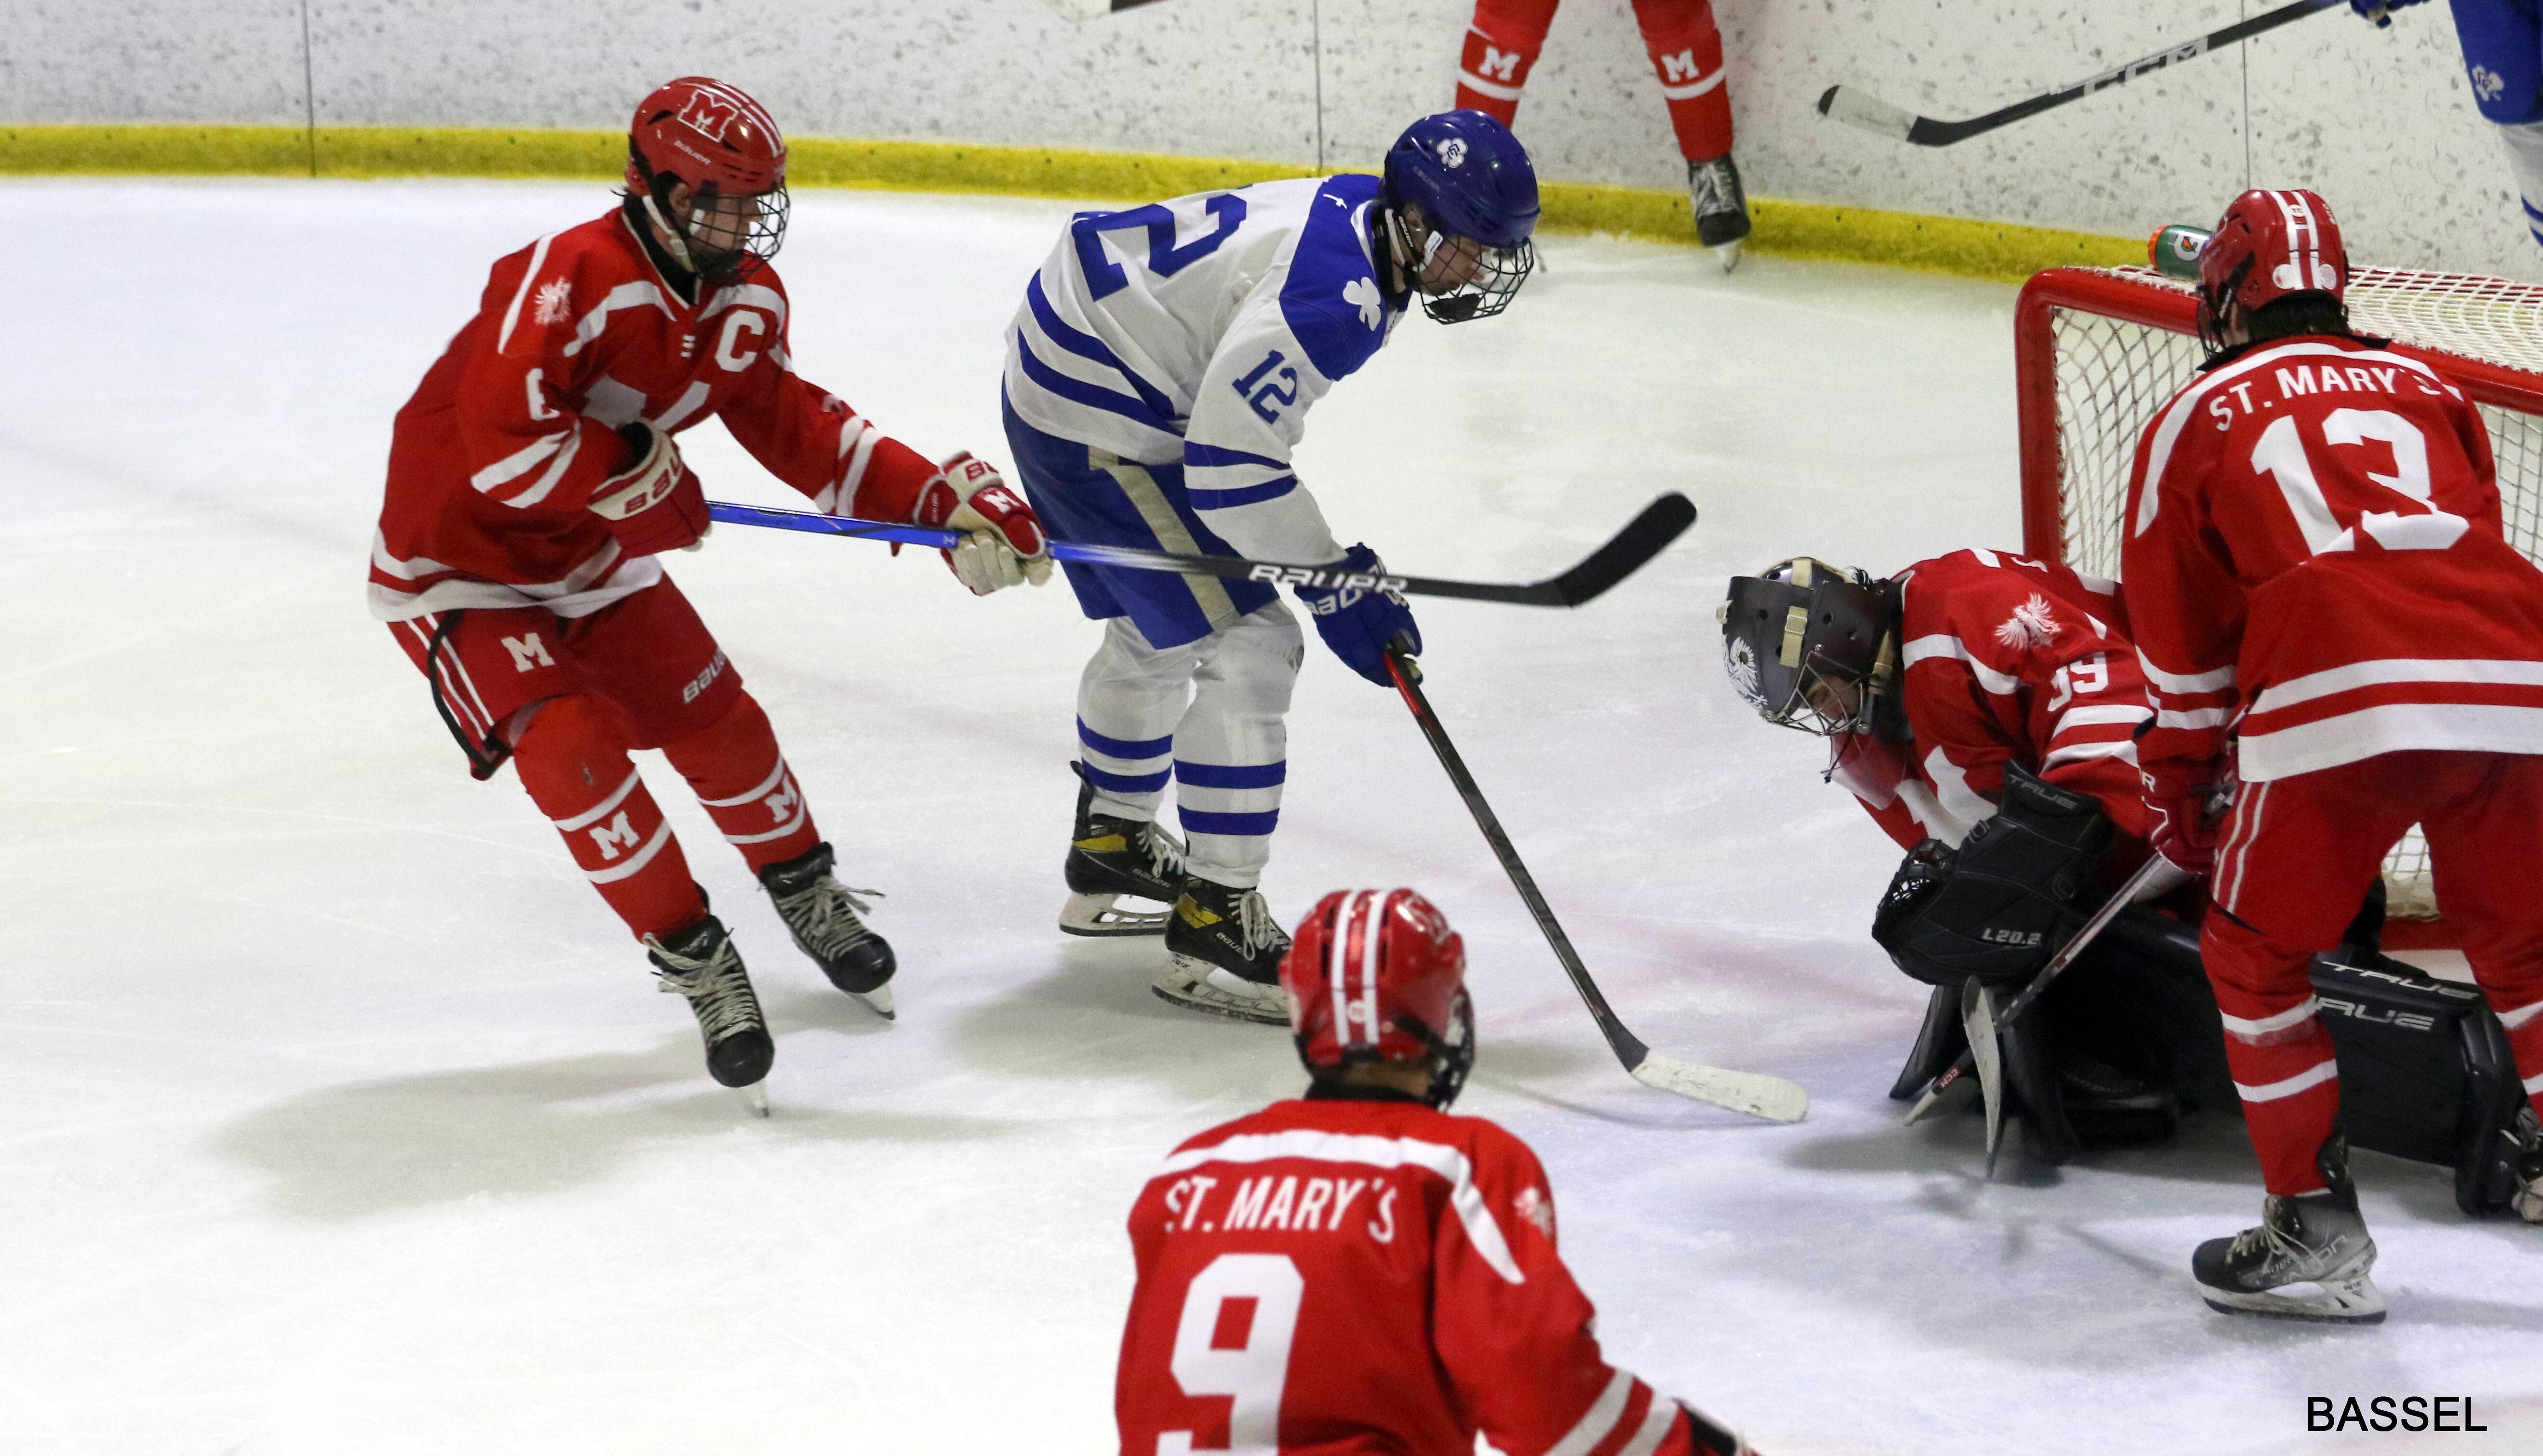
[1358,625]
[2374,10]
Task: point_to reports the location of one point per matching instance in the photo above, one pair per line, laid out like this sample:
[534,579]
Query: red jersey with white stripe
[2314,561]
[1340,1278]
[2005,659]
[495,459]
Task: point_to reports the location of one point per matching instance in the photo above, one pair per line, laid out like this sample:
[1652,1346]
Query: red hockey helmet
[1377,976]
[727,148]
[2268,245]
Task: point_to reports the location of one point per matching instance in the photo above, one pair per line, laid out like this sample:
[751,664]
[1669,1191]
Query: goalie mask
[1810,646]
[726,148]
[1377,976]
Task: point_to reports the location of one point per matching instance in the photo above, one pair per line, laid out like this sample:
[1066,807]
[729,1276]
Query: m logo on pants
[528,652]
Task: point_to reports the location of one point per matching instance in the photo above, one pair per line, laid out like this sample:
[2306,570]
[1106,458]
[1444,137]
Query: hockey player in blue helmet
[1158,378]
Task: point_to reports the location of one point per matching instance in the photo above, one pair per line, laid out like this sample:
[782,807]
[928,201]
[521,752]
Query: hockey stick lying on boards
[1984,1026]
[1752,1093]
[1856,107]
[1643,537]
[1096,9]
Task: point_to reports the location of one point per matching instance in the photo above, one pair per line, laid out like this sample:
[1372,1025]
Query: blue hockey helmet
[1472,181]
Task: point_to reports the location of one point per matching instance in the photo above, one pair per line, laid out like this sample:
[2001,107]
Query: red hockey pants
[1686,46]
[575,695]
[2298,856]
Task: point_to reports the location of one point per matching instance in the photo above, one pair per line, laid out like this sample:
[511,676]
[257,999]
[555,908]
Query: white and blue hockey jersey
[1198,331]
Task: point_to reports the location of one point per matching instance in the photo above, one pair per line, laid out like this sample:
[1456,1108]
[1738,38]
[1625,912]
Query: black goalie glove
[1997,907]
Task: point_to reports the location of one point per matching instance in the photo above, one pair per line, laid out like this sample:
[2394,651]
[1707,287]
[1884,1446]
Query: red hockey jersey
[2314,562]
[1343,1277]
[2005,659]
[494,460]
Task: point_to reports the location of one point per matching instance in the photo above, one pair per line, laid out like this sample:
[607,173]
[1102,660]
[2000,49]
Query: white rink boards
[342,1117]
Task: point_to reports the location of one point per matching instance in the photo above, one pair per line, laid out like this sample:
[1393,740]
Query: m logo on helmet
[709,115]
[1453,152]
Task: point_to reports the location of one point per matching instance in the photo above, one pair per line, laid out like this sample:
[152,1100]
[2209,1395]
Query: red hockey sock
[741,778]
[2275,1043]
[1687,54]
[1502,45]
[572,759]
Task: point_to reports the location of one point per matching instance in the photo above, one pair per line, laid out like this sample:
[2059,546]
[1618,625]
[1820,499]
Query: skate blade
[1094,915]
[754,1097]
[1198,985]
[878,1001]
[2341,1302]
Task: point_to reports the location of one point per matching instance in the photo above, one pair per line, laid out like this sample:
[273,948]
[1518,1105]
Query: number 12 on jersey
[1240,1316]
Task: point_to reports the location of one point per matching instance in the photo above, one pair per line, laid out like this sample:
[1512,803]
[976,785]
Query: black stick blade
[1643,537]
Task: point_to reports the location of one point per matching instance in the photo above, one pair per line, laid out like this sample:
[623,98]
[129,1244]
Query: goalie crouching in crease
[1984,708]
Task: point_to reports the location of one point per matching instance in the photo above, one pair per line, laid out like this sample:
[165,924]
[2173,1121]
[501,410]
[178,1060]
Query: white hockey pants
[1210,713]
[2524,146]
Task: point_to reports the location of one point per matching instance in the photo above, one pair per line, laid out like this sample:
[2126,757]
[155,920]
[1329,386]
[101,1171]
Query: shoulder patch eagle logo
[553,301]
[2029,626]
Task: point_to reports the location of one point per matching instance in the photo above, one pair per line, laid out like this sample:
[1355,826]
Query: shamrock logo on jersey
[2029,626]
[1361,293]
[2487,83]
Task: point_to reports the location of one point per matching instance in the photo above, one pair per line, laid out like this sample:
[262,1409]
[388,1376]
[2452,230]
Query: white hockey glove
[655,503]
[1002,541]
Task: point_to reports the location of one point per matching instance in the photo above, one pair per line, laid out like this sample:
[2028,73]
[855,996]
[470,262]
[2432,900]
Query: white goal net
[2100,350]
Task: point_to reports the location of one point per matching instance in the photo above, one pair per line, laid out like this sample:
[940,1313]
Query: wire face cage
[2098,350]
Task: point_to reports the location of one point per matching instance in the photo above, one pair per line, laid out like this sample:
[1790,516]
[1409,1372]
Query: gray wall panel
[2378,121]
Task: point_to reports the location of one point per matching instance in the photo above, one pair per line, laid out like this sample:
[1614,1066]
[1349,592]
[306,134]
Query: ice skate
[1109,858]
[1721,207]
[701,964]
[822,914]
[1223,953]
[2315,1239]
[2528,1201]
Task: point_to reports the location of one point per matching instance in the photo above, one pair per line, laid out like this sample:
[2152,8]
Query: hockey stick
[1982,1018]
[1096,9]
[1858,108]
[1752,1093]
[1643,537]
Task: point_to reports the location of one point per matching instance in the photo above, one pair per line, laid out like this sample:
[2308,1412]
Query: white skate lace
[2289,1258]
[717,989]
[824,916]
[1165,852]
[1254,919]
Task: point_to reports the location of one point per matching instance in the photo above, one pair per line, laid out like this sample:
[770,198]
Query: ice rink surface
[342,1117]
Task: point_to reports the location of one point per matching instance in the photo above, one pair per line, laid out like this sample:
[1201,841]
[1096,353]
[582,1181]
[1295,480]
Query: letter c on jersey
[734,325]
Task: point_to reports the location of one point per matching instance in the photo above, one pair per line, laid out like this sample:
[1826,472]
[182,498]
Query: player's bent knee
[574,748]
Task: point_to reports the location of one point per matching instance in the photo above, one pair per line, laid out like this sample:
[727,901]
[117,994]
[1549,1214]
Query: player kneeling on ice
[1980,707]
[1158,377]
[2337,635]
[1358,1271]
[533,481]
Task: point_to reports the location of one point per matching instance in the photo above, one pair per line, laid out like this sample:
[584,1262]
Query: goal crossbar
[2097,352]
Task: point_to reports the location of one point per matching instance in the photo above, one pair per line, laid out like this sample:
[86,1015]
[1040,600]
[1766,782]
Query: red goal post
[2098,350]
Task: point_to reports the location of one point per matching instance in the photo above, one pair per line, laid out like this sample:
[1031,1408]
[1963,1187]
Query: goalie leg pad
[2426,1073]
[1939,1044]
[1999,905]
